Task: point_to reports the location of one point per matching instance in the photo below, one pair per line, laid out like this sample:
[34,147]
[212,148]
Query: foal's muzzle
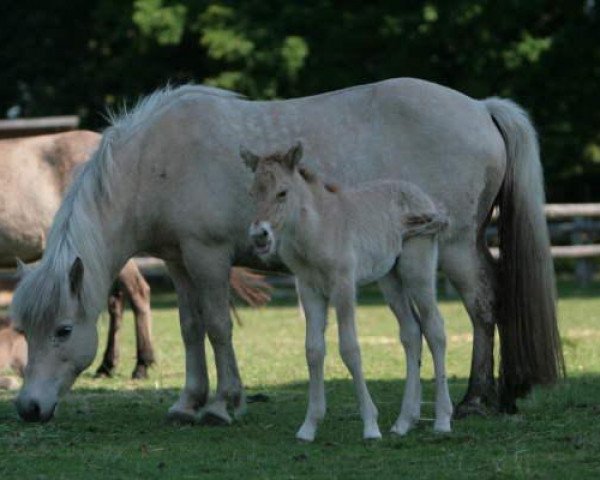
[262,238]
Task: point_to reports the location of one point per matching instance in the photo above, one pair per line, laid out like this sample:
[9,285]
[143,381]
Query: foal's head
[277,190]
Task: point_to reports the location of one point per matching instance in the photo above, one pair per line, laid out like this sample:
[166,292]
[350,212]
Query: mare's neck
[99,230]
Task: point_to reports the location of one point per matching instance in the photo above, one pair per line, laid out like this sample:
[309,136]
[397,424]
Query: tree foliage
[79,56]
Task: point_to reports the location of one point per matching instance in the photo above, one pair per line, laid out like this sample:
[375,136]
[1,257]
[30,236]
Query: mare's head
[61,335]
[277,190]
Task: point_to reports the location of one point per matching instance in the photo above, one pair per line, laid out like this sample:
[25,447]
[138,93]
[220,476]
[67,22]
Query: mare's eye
[64,332]
[281,195]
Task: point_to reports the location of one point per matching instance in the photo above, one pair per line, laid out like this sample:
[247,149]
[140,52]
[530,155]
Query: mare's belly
[375,269]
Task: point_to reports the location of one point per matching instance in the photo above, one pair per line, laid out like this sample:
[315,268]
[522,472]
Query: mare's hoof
[181,417]
[215,415]
[473,406]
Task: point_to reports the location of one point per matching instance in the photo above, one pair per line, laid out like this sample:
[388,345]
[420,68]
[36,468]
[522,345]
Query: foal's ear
[293,156]
[250,159]
[76,277]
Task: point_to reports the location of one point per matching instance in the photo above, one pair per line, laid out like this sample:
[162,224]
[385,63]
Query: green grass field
[116,428]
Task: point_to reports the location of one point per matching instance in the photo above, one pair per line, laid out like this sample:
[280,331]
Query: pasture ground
[116,428]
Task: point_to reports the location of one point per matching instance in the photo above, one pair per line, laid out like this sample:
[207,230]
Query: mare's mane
[76,229]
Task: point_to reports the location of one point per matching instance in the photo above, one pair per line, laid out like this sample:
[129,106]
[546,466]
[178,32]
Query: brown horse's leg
[138,291]
[111,354]
[473,274]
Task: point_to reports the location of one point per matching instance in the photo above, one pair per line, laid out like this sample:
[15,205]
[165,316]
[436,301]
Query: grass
[116,427]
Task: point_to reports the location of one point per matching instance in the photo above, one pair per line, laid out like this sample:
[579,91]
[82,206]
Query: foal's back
[379,216]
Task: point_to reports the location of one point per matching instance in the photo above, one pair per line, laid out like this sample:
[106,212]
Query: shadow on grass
[280,402]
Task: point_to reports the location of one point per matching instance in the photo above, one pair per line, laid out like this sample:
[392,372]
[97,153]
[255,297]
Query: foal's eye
[281,195]
[64,332]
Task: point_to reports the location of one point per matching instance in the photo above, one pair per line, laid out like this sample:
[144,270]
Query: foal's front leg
[315,311]
[344,300]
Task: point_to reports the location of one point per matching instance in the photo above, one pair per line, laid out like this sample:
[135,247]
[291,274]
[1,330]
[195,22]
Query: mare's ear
[250,159]
[293,156]
[76,277]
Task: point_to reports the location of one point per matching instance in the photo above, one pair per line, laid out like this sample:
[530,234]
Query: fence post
[584,268]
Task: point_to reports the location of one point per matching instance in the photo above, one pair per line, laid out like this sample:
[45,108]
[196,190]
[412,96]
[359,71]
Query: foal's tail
[530,347]
[431,223]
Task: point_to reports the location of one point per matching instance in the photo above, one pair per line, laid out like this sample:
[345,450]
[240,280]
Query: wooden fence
[575,234]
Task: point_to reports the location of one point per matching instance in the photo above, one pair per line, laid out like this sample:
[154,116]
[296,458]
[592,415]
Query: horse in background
[36,173]
[13,354]
[167,180]
[335,238]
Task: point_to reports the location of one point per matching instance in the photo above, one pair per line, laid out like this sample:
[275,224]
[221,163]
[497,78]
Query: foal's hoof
[306,433]
[181,417]
[402,427]
[372,433]
[442,426]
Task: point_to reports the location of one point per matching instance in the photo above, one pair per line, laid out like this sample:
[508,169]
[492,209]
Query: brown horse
[13,353]
[36,172]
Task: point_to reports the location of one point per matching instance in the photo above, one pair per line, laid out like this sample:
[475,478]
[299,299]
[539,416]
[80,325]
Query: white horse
[333,239]
[167,180]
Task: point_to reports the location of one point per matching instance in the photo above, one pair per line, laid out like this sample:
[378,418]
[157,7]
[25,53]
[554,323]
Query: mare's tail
[530,349]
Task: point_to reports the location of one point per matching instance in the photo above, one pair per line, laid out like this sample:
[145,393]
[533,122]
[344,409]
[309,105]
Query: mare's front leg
[315,311]
[209,269]
[344,299]
[195,391]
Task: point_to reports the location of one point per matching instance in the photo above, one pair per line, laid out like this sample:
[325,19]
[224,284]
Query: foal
[333,239]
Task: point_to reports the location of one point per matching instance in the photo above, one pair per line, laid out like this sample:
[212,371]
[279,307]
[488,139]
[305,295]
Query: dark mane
[311,177]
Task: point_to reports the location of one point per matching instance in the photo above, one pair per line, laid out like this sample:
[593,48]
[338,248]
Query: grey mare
[167,179]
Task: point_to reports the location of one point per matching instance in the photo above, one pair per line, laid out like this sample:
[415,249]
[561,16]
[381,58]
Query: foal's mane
[76,229]
[307,174]
[311,177]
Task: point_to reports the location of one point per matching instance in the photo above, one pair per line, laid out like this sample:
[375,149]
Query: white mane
[76,229]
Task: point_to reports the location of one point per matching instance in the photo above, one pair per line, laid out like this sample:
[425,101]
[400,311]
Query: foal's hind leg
[418,266]
[472,272]
[410,336]
[345,301]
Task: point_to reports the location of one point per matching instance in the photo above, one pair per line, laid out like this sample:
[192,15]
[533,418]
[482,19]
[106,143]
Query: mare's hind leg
[195,391]
[344,300]
[138,291]
[418,266]
[472,272]
[116,305]
[410,337]
[314,305]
